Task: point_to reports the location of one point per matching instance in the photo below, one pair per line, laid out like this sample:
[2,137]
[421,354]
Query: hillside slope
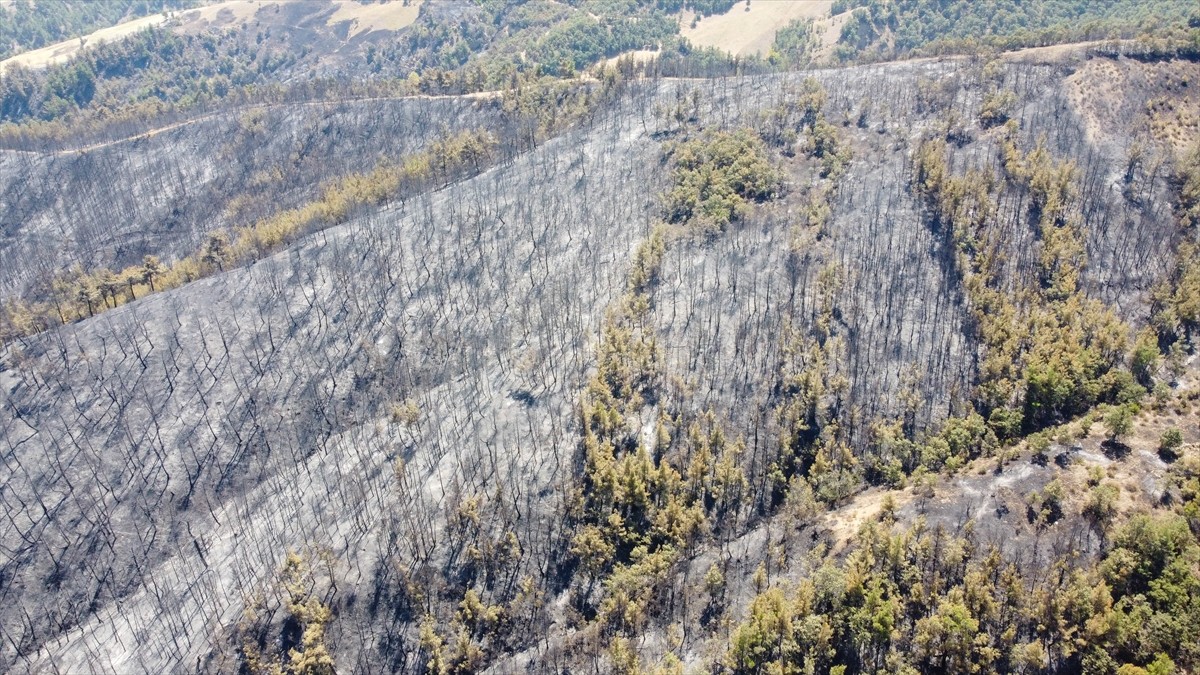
[398,398]
[168,190]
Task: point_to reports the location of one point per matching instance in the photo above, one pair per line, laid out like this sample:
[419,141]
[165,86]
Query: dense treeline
[887,27]
[154,66]
[488,44]
[922,600]
[26,24]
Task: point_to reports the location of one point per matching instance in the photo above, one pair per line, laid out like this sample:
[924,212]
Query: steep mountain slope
[399,397]
[317,343]
[169,189]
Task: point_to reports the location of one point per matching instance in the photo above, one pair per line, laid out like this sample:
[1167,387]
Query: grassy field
[362,18]
[750,29]
[228,12]
[367,18]
[1099,92]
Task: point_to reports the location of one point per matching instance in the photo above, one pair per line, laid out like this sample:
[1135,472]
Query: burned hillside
[423,439]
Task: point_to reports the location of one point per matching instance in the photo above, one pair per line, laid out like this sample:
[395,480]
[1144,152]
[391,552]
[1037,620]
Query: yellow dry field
[830,30]
[393,15]
[57,53]
[751,30]
[225,13]
[1052,53]
[639,56]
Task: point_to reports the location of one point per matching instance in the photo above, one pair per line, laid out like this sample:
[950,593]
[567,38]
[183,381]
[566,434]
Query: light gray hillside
[158,461]
[113,202]
[168,425]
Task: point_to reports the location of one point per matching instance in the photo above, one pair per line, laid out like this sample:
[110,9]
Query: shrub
[997,107]
[1170,442]
[1118,422]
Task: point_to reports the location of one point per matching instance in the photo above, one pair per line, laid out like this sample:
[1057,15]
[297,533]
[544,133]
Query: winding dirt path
[482,95]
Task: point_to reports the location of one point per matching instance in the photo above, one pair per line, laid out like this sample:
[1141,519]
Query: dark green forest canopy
[940,25]
[26,25]
[154,64]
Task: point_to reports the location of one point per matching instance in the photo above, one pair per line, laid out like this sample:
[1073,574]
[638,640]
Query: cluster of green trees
[814,460]
[890,27]
[794,44]
[642,503]
[717,176]
[898,452]
[997,106]
[924,600]
[634,510]
[1051,353]
[30,24]
[541,105]
[461,652]
[154,66]
[300,647]
[869,24]
[582,40]
[1177,300]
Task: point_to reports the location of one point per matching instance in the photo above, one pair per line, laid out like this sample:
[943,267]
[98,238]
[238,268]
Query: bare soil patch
[367,18]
